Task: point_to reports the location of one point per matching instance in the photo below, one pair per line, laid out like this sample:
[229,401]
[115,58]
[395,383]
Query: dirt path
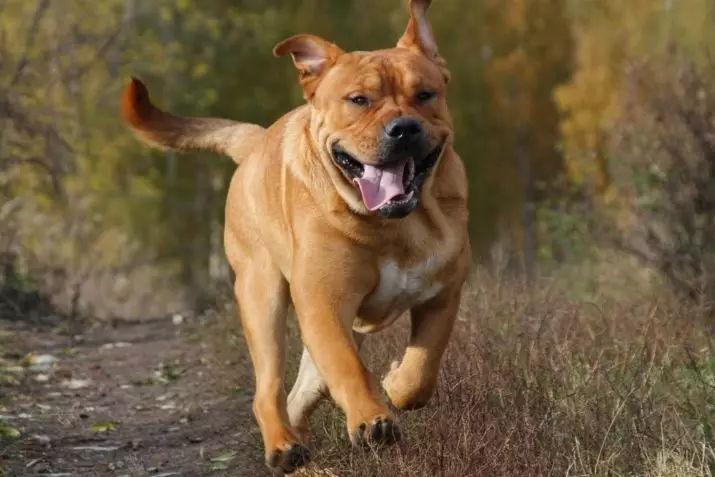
[136,399]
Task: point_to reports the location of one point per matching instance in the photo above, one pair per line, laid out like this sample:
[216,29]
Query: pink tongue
[380,185]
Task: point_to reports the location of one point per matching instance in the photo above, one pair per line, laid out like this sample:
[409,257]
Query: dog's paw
[288,459]
[407,392]
[380,431]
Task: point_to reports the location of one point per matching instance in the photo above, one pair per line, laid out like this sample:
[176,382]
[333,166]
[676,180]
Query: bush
[663,151]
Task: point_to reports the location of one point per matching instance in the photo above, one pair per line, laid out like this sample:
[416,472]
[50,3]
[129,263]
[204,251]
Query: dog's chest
[407,286]
[399,289]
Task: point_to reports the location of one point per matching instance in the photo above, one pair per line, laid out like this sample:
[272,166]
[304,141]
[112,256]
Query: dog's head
[379,118]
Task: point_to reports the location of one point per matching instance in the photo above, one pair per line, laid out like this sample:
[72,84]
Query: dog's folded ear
[418,35]
[312,55]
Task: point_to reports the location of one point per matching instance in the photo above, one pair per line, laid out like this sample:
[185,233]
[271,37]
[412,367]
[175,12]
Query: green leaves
[220,462]
[102,427]
[9,432]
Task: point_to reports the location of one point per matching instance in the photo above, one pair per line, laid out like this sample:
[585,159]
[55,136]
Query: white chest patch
[400,289]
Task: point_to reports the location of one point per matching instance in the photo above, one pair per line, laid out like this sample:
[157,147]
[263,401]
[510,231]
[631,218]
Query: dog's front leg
[308,390]
[326,303]
[262,295]
[411,383]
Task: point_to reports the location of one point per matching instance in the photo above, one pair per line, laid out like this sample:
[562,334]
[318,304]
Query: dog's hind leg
[263,298]
[309,389]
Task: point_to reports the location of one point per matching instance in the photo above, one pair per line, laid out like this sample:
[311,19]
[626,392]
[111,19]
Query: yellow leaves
[213,27]
[199,70]
[516,15]
[182,5]
[609,35]
[166,14]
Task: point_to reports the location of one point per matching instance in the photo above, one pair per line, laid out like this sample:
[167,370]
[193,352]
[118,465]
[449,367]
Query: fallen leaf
[148,381]
[102,427]
[7,431]
[8,379]
[225,457]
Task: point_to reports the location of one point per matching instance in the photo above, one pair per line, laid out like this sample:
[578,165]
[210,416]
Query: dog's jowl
[352,208]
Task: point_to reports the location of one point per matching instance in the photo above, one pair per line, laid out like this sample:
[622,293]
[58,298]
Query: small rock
[41,363]
[177,319]
[119,344]
[44,441]
[76,383]
[42,378]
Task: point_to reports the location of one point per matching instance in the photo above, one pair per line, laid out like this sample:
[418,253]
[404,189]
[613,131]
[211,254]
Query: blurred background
[587,128]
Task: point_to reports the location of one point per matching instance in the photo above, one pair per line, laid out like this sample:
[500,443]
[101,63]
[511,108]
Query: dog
[352,208]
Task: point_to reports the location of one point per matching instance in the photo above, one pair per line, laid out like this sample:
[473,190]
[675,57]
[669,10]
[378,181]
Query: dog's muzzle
[391,189]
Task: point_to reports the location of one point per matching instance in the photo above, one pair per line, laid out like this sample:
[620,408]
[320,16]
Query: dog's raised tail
[167,131]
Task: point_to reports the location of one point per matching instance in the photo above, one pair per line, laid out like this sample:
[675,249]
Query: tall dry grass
[535,384]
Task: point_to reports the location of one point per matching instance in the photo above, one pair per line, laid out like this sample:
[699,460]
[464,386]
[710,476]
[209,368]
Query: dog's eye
[424,96]
[359,99]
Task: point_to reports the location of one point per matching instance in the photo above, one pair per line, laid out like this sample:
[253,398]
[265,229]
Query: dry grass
[536,385]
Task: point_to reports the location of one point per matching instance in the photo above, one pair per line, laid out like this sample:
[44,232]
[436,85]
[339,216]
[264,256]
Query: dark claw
[290,459]
[382,431]
[298,456]
[274,459]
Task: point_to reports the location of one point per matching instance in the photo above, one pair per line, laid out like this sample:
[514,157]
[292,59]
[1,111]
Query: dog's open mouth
[391,184]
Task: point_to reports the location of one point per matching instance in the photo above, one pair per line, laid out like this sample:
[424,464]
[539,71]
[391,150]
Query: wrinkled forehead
[383,71]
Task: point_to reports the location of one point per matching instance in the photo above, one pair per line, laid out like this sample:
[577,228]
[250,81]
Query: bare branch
[42,6]
[99,54]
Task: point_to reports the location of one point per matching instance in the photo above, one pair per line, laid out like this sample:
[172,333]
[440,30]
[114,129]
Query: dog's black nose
[403,128]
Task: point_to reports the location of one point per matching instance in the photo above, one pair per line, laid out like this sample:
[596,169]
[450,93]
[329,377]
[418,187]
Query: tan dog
[352,208]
